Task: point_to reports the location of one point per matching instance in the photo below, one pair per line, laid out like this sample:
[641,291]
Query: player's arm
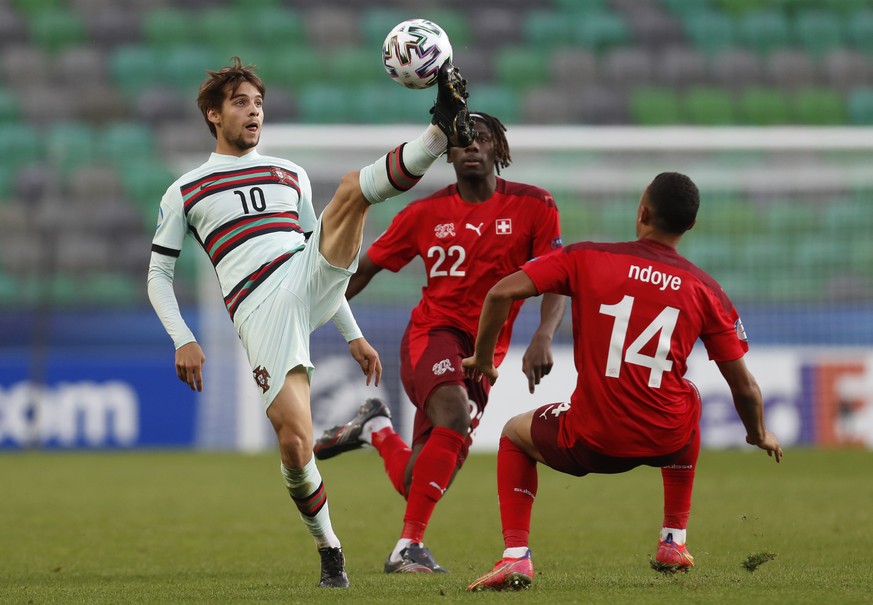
[538,360]
[360,350]
[750,406]
[495,310]
[366,270]
[189,356]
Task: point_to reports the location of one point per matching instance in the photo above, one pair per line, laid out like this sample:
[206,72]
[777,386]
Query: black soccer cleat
[346,437]
[333,568]
[450,108]
[415,558]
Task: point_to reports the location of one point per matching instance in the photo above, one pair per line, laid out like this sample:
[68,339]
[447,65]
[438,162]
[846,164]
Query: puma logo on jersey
[441,367]
[478,229]
[434,485]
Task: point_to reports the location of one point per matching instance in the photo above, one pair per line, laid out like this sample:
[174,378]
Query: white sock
[402,168]
[678,535]
[307,491]
[401,544]
[516,552]
[372,426]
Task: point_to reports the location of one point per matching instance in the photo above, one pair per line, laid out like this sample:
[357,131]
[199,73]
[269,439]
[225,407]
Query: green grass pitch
[181,527]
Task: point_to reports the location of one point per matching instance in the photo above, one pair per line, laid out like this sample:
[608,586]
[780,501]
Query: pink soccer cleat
[508,574]
[673,557]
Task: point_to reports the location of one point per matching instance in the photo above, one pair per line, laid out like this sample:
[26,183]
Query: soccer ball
[414,51]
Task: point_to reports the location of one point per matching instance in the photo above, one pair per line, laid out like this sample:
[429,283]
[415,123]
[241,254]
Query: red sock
[395,455]
[678,483]
[516,490]
[434,467]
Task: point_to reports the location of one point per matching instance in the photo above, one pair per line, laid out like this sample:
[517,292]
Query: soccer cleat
[673,557]
[345,437]
[415,558]
[333,568]
[450,108]
[508,574]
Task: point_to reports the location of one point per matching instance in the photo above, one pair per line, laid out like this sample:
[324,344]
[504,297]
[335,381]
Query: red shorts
[580,459]
[430,359]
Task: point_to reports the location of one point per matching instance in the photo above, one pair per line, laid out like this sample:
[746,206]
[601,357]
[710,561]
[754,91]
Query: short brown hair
[223,83]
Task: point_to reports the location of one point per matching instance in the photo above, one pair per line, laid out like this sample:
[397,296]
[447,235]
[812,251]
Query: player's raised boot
[508,574]
[673,557]
[345,437]
[450,108]
[415,558]
[333,568]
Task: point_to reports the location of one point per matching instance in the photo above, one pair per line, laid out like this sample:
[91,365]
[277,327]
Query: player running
[283,272]
[469,235]
[638,308]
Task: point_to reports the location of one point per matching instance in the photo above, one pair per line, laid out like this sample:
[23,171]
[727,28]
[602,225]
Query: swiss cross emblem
[262,378]
[504,226]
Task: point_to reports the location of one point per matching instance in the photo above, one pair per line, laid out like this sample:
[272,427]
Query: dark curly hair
[502,159]
[675,199]
[218,84]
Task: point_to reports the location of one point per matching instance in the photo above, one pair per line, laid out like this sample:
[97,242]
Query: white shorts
[276,334]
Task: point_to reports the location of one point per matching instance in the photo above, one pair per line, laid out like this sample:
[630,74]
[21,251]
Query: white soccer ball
[414,51]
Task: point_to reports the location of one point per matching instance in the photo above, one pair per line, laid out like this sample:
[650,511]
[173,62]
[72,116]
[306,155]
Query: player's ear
[214,116]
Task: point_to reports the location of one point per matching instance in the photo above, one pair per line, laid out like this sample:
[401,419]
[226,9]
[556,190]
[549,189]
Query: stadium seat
[24,66]
[521,68]
[356,66]
[330,27]
[135,68]
[111,26]
[496,99]
[792,69]
[704,106]
[818,31]
[184,67]
[498,23]
[13,30]
[385,103]
[763,107]
[859,31]
[166,27]
[144,183]
[680,67]
[741,7]
[600,31]
[818,107]
[601,105]
[572,66]
[654,107]
[546,29]
[70,145]
[764,31]
[626,67]
[126,143]
[454,22]
[9,109]
[108,289]
[548,105]
[56,29]
[791,218]
[377,22]
[861,106]
[709,31]
[36,181]
[275,27]
[846,69]
[20,144]
[325,103]
[736,69]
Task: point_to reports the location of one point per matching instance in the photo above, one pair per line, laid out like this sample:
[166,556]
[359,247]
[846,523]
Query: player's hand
[189,365]
[367,358]
[769,444]
[476,369]
[537,361]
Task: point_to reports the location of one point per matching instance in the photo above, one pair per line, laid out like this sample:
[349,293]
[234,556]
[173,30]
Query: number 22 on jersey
[662,326]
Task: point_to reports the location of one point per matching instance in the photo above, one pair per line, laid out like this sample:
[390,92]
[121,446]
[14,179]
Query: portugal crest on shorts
[262,378]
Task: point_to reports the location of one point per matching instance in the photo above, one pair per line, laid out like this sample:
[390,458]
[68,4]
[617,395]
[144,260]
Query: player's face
[238,125]
[477,159]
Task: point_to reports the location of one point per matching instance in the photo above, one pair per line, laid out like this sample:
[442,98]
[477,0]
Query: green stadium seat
[600,31]
[9,290]
[184,67]
[704,106]
[741,7]
[56,29]
[274,27]
[219,29]
[167,27]
[326,103]
[111,289]
[859,31]
[377,22]
[764,31]
[10,111]
[709,31]
[522,68]
[135,68]
[860,107]
[846,216]
[70,145]
[819,107]
[291,66]
[547,29]
[654,107]
[355,66]
[818,31]
[682,8]
[455,23]
[496,99]
[381,103]
[763,107]
[577,8]
[144,183]
[789,217]
[126,143]
[20,144]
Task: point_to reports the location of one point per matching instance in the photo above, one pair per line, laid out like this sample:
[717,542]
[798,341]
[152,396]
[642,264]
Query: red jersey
[638,309]
[467,247]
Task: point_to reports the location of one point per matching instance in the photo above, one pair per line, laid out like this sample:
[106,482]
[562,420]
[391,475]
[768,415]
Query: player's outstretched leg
[450,108]
[346,437]
[672,557]
[415,558]
[508,574]
[333,568]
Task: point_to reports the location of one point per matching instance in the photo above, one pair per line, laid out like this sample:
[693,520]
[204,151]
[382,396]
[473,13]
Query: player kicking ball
[638,309]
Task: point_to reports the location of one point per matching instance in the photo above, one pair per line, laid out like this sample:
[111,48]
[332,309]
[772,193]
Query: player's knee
[295,448]
[451,412]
